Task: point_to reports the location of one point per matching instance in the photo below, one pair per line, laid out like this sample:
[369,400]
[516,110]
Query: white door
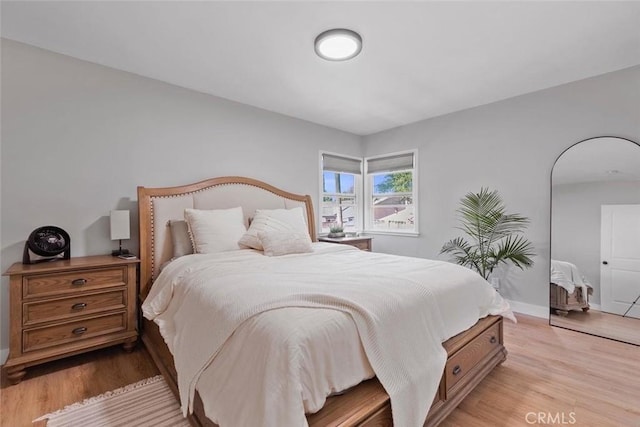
[620,259]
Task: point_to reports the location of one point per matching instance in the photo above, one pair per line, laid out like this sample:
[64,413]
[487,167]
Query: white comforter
[398,306]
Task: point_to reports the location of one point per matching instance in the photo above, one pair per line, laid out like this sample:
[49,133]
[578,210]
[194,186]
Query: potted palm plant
[494,237]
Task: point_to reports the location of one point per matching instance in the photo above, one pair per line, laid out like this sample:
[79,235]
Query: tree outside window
[391,193]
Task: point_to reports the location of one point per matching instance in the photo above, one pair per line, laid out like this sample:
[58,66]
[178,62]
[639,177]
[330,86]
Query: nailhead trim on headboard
[152,218]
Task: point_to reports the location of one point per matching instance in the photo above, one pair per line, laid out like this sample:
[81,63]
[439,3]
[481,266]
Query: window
[391,191]
[341,184]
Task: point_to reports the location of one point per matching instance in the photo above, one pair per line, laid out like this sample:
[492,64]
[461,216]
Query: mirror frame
[550,228]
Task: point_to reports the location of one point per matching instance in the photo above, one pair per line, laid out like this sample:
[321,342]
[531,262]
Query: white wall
[575,223]
[510,146]
[78,138]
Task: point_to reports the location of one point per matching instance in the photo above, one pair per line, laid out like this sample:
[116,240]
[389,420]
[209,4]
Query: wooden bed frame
[472,354]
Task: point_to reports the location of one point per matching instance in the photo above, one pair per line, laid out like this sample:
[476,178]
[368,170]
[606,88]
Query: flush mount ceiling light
[338,44]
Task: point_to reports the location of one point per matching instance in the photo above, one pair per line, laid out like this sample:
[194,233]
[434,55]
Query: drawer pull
[79,331]
[79,282]
[456,370]
[79,306]
[493,340]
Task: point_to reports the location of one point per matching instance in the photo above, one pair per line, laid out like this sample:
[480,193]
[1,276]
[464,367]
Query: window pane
[390,218]
[397,182]
[339,214]
[335,182]
[347,184]
[329,182]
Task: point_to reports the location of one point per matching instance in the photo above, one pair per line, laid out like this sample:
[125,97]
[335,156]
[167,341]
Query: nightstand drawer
[72,307]
[39,338]
[362,245]
[73,282]
[69,306]
[361,242]
[469,355]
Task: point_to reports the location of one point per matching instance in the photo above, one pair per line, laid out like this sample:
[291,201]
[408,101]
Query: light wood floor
[52,386]
[549,370]
[554,370]
[606,325]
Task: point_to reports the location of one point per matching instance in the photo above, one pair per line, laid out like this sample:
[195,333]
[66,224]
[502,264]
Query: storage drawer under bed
[468,356]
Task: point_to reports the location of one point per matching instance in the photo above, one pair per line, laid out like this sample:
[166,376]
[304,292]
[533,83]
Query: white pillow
[180,238]
[215,230]
[276,243]
[281,220]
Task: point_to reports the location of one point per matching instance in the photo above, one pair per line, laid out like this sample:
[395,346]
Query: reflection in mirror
[595,239]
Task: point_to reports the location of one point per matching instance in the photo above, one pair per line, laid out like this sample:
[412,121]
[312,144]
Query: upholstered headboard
[159,205]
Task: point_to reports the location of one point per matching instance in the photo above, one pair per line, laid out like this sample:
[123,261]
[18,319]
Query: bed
[569,290]
[468,356]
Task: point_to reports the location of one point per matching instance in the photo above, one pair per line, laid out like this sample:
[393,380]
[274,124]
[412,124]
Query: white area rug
[148,402]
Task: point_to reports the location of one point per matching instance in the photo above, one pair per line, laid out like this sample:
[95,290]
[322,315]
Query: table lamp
[120,230]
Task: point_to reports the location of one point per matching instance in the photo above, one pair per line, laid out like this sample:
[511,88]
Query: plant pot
[341,234]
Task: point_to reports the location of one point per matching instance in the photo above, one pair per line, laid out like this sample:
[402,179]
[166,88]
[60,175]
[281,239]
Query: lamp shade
[120,225]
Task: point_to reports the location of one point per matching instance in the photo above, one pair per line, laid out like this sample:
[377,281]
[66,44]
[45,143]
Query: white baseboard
[529,309]
[595,306]
[4,353]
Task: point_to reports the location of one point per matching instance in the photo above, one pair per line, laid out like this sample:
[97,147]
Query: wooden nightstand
[360,242]
[66,307]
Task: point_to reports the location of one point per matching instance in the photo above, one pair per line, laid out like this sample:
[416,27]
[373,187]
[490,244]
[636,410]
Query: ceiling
[419,59]
[597,160]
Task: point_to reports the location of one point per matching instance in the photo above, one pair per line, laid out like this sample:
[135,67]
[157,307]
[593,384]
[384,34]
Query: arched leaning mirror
[595,239]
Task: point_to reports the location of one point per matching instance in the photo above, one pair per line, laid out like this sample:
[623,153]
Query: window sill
[393,233]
